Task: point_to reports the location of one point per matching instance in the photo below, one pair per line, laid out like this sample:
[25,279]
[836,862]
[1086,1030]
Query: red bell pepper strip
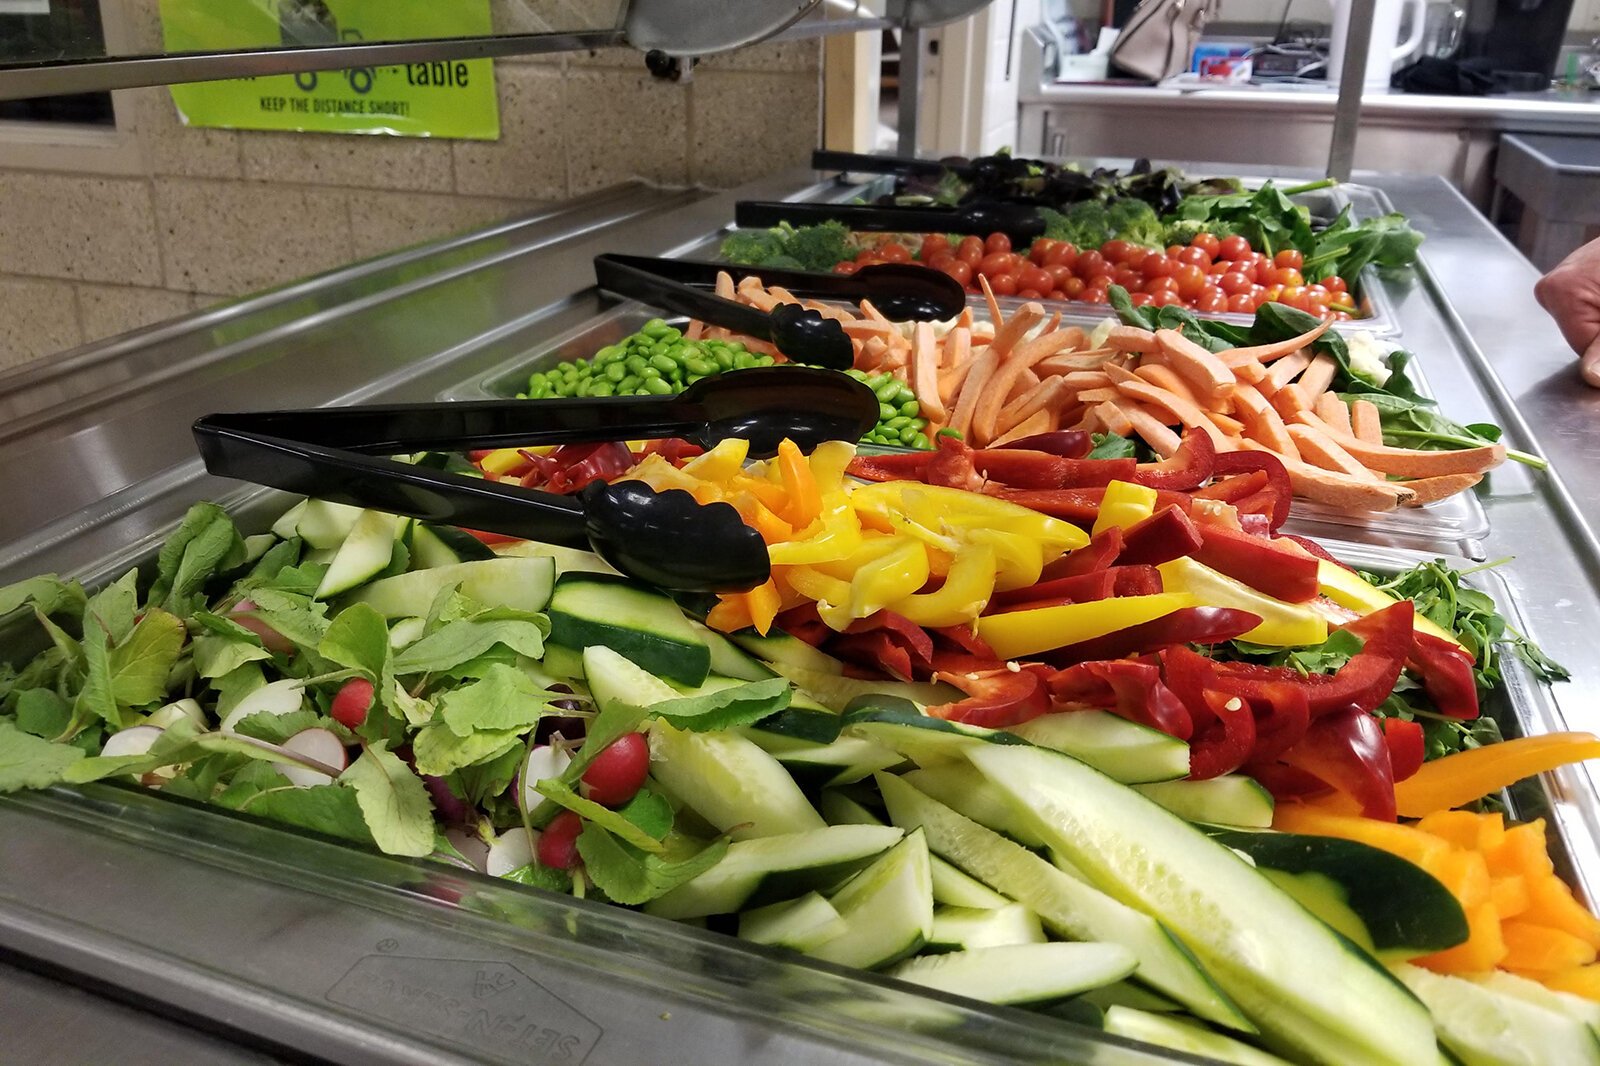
[962,638]
[1129,687]
[1067,443]
[903,632]
[1347,750]
[583,463]
[1099,553]
[1187,468]
[1078,506]
[910,466]
[876,651]
[1281,573]
[804,622]
[1285,781]
[674,450]
[1079,588]
[491,539]
[1283,714]
[1315,549]
[1447,675]
[1187,625]
[1137,580]
[1269,464]
[1166,535]
[951,466]
[1226,741]
[1041,470]
[996,698]
[1406,748]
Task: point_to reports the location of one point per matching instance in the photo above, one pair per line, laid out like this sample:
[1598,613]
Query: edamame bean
[657,387]
[910,408]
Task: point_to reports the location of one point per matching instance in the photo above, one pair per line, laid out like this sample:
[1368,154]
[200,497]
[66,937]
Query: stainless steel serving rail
[327,951]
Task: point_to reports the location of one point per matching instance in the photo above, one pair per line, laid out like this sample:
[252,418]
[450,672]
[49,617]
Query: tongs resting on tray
[899,290]
[664,538]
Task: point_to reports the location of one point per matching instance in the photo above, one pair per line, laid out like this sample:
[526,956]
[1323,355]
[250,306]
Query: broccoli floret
[1086,224]
[1184,230]
[1136,221]
[752,247]
[819,247]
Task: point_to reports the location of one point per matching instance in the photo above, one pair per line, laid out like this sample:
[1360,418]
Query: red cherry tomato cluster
[1209,275]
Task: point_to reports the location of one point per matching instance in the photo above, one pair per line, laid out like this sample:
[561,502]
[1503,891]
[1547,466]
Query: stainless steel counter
[355,957]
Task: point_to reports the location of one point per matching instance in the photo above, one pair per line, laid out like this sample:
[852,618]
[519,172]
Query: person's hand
[1571,293]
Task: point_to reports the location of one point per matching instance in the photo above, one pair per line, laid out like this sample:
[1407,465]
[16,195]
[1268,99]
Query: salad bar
[1141,682]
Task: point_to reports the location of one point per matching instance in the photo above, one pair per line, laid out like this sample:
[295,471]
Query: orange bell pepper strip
[1468,775]
[805,499]
[763,603]
[731,614]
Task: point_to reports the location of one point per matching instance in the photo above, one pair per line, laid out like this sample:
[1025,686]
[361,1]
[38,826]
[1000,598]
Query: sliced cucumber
[843,762]
[325,525]
[614,678]
[1482,1027]
[924,740]
[406,631]
[1182,1036]
[839,809]
[779,649]
[968,928]
[728,659]
[1229,800]
[1305,987]
[1131,994]
[1067,907]
[520,584]
[800,725]
[288,523]
[801,924]
[443,546]
[959,786]
[563,662]
[836,690]
[1502,983]
[729,782]
[643,625]
[363,554]
[887,908]
[1118,748]
[1019,973]
[1387,905]
[567,560]
[777,868]
[256,546]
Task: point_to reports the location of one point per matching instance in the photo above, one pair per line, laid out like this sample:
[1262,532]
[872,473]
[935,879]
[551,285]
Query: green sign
[452,98]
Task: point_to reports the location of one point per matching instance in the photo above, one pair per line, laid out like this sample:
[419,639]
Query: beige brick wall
[161,219]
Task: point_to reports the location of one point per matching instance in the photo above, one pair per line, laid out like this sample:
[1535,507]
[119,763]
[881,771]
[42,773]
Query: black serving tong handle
[802,335]
[1020,222]
[857,162]
[902,291]
[666,539]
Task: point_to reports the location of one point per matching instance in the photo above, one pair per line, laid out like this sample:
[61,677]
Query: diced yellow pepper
[1283,625]
[719,464]
[1018,633]
[1124,504]
[502,460]
[889,578]
[1349,589]
[965,592]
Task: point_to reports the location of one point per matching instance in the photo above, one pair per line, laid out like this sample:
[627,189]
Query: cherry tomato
[1194,256]
[1342,316]
[1289,257]
[351,703]
[1072,288]
[1233,283]
[1211,300]
[1208,241]
[1030,294]
[1166,298]
[1290,276]
[1242,302]
[1116,251]
[618,772]
[894,252]
[959,269]
[1127,277]
[1039,251]
[558,844]
[970,250]
[940,260]
[1316,303]
[1000,263]
[1233,248]
[1141,299]
[1190,279]
[1161,284]
[933,244]
[849,266]
[1265,294]
[1219,268]
[1060,275]
[1065,253]
[1335,283]
[1093,295]
[867,259]
[1291,294]
[1036,278]
[1089,264]
[1173,250]
[1004,284]
[1156,265]
[997,242]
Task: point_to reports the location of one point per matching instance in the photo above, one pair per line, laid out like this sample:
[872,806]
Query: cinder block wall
[163,219]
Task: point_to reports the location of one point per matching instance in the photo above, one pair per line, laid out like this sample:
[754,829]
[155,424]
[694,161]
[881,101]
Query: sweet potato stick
[1039,422]
[1019,358]
[1410,462]
[1316,379]
[1335,412]
[1266,353]
[957,345]
[695,330]
[1163,377]
[1085,379]
[1262,421]
[1132,339]
[1047,395]
[1024,384]
[1231,426]
[994,305]
[925,372]
[1178,409]
[1432,489]
[1201,369]
[1073,362]
[1150,427]
[1112,418]
[1320,449]
[1339,490]
[982,368]
[1284,371]
[724,287]
[1365,422]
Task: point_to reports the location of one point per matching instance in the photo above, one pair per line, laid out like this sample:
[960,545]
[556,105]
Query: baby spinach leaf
[630,877]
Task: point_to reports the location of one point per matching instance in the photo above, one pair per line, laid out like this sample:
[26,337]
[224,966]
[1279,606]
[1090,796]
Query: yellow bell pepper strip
[1464,776]
[502,461]
[831,595]
[720,464]
[1284,625]
[1124,504]
[1348,589]
[828,462]
[835,535]
[943,513]
[873,545]
[805,501]
[965,592]
[1019,559]
[1015,634]
[889,579]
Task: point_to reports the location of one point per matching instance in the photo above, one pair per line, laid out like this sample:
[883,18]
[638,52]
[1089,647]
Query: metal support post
[911,46]
[1352,83]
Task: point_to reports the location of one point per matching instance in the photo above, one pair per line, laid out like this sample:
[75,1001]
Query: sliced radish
[271,639]
[280,697]
[175,712]
[319,745]
[511,850]
[134,741]
[472,847]
[544,762]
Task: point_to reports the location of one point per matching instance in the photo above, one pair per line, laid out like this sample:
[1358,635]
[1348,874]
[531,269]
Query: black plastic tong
[1020,222]
[900,291]
[666,539]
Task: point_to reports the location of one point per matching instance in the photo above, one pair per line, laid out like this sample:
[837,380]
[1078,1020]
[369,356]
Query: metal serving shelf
[325,950]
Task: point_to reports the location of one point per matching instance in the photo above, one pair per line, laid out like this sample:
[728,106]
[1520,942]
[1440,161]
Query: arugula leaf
[359,638]
[506,699]
[1110,446]
[394,802]
[334,810]
[439,752]
[248,781]
[42,712]
[416,711]
[630,877]
[191,555]
[27,761]
[298,618]
[596,815]
[458,642]
[275,560]
[140,664]
[727,708]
